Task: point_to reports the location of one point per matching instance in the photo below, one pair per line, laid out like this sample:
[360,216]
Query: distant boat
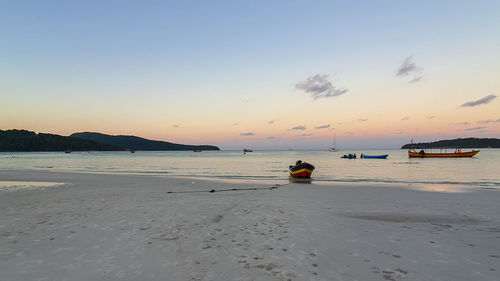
[382,156]
[301,170]
[349,156]
[247,150]
[412,153]
[67,151]
[333,147]
[458,154]
[196,150]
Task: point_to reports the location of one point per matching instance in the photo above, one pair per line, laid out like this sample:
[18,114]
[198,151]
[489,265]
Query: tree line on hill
[23,140]
[461,143]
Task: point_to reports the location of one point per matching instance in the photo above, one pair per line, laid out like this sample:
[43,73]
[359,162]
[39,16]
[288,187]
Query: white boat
[333,147]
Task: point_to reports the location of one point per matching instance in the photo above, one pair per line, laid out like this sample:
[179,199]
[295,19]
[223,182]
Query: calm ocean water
[481,170]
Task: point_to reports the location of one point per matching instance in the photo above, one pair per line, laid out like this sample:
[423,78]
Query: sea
[483,170]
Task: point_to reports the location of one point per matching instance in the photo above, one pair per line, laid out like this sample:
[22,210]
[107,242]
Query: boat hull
[375,156]
[415,154]
[303,170]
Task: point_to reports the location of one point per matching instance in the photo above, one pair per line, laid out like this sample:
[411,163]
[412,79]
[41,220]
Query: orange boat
[457,154]
[423,154]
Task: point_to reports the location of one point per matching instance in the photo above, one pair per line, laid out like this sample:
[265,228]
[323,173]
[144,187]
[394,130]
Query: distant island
[23,140]
[462,143]
[137,143]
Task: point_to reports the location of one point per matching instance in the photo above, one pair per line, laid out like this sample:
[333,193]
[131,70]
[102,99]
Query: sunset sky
[256,74]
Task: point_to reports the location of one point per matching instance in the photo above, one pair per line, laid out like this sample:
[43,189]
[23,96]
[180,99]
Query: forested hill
[137,143]
[458,143]
[22,140]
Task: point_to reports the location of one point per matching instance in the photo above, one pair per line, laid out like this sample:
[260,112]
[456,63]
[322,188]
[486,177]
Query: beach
[96,226]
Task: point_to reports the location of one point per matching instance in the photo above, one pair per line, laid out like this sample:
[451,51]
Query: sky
[254,74]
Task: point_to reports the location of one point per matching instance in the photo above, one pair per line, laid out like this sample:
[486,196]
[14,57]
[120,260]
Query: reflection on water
[481,170]
[17,185]
[449,188]
[299,180]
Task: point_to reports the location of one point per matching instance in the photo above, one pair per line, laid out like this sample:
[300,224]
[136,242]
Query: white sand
[123,227]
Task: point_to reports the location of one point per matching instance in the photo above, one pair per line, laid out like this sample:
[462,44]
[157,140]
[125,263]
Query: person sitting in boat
[361,156]
[298,162]
[422,152]
[354,155]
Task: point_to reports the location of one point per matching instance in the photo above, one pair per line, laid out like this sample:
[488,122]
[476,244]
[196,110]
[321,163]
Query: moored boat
[458,154]
[349,156]
[301,170]
[382,156]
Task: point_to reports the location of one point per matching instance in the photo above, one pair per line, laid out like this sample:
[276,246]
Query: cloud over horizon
[475,128]
[322,127]
[247,134]
[362,119]
[488,121]
[408,67]
[320,87]
[304,135]
[298,128]
[480,101]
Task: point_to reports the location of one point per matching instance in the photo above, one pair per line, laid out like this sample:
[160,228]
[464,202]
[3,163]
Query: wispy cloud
[271,138]
[235,124]
[480,101]
[270,122]
[175,126]
[405,118]
[362,119]
[323,127]
[415,79]
[463,123]
[475,128]
[298,128]
[304,135]
[431,117]
[247,134]
[409,68]
[320,87]
[488,121]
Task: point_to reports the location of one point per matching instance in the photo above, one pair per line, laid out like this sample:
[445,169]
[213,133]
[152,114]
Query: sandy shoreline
[127,227]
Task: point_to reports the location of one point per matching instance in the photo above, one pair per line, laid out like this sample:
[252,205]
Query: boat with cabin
[458,153]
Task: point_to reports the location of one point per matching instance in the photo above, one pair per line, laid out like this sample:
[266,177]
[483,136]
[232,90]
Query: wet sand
[129,227]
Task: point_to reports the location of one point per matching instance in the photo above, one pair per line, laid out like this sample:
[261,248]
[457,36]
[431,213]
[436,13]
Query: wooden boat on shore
[422,154]
[301,170]
[383,156]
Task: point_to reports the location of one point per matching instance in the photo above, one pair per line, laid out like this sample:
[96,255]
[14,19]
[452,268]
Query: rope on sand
[231,189]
